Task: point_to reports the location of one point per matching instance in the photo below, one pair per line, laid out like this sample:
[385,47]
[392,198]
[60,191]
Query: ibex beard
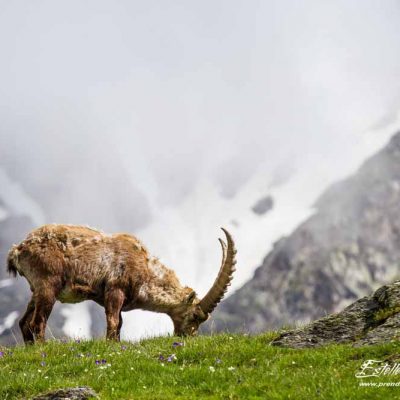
[76,263]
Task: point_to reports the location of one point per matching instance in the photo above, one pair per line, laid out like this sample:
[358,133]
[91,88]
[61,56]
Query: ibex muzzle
[75,263]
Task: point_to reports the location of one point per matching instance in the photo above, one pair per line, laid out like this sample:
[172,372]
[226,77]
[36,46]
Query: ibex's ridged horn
[223,246]
[224,278]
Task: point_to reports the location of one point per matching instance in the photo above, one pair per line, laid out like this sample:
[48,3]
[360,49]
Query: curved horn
[224,278]
[224,248]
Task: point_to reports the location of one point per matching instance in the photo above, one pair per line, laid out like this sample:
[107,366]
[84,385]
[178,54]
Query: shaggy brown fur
[75,263]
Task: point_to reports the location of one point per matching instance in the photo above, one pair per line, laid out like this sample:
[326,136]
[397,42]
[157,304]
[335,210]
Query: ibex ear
[190,297]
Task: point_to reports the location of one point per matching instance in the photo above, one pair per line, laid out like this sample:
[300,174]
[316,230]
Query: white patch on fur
[156,268]
[143,295]
[91,228]
[106,258]
[97,239]
[138,246]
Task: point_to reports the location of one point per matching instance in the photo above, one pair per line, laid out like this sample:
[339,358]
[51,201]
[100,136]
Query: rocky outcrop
[349,247]
[79,393]
[374,319]
[263,205]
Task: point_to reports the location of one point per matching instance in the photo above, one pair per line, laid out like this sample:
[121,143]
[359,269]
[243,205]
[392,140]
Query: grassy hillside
[207,367]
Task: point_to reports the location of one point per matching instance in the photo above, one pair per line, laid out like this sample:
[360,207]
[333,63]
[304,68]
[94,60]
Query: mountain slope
[347,248]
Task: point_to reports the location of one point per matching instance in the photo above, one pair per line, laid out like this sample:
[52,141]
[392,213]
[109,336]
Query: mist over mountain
[168,120]
[349,247]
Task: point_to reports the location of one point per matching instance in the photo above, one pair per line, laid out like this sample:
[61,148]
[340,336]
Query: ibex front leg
[27,333]
[114,299]
[44,302]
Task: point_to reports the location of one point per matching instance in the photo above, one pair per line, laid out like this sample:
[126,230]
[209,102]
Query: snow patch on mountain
[8,321]
[6,282]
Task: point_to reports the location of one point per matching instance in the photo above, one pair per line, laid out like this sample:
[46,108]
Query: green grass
[207,367]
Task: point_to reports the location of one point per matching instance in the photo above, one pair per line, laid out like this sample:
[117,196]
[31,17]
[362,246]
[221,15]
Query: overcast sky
[112,113]
[184,88]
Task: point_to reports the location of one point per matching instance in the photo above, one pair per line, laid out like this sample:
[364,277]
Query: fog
[171,119]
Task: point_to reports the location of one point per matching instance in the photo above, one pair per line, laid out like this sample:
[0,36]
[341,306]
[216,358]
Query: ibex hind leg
[44,302]
[113,302]
[27,333]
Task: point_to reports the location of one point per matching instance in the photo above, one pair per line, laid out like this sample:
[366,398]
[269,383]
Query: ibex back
[76,263]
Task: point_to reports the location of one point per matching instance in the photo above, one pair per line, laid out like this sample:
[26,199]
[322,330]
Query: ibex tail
[12,261]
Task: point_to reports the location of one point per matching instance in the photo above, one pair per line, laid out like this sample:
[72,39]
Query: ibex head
[194,311]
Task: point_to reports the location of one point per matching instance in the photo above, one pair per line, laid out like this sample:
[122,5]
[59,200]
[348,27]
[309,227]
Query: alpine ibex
[75,263]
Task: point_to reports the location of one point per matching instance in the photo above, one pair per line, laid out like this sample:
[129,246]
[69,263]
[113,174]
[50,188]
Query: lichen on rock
[77,393]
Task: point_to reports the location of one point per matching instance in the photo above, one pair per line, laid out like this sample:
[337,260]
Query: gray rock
[79,393]
[374,319]
[263,205]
